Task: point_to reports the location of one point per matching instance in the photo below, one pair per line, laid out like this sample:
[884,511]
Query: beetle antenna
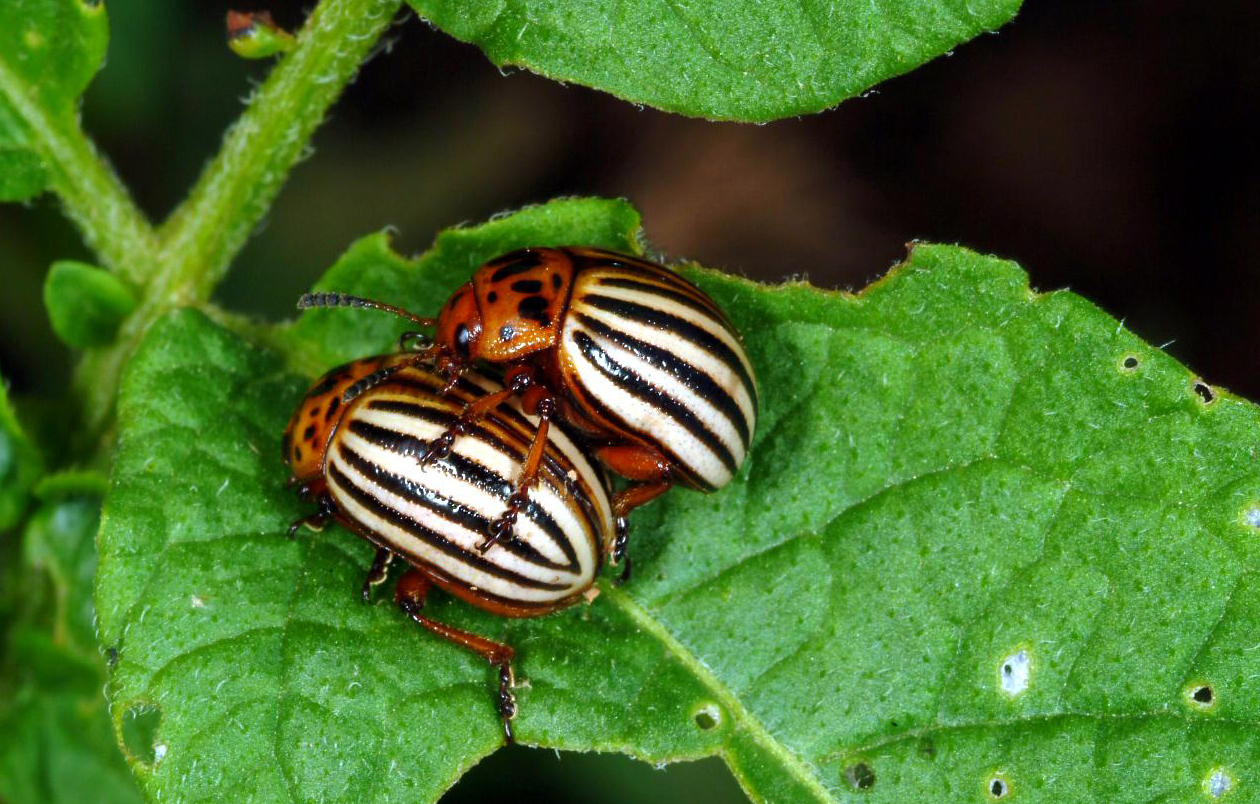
[381,375]
[309,300]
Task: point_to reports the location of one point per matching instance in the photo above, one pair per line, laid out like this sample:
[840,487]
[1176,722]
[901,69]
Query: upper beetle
[638,358]
[361,461]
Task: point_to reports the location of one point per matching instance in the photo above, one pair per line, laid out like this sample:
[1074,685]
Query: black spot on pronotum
[492,297]
[1130,362]
[530,286]
[309,433]
[332,408]
[518,262]
[1202,695]
[861,776]
[556,281]
[534,307]
[297,453]
[998,788]
[705,719]
[1205,392]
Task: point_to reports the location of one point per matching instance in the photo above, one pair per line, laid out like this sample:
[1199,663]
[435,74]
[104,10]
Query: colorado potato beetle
[361,461]
[640,360]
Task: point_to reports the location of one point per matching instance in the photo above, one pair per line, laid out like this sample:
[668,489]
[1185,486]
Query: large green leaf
[751,60]
[49,51]
[987,541]
[56,741]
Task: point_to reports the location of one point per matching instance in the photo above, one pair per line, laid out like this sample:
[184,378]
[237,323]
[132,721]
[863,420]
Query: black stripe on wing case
[680,327]
[481,476]
[687,374]
[636,386]
[430,537]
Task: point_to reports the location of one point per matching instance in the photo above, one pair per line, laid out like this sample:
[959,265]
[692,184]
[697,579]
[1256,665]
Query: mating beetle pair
[485,489]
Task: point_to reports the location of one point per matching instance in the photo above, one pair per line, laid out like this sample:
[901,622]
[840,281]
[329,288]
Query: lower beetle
[361,461]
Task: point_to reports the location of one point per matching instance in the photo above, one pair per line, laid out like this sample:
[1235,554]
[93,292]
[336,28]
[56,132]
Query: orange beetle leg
[655,473]
[473,412]
[502,527]
[410,594]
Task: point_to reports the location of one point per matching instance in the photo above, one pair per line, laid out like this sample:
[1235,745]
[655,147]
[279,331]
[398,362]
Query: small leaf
[56,740]
[972,550]
[85,304]
[19,465]
[254,35]
[752,60]
[49,51]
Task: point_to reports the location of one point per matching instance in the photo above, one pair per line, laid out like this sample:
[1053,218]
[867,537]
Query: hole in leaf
[861,776]
[1200,695]
[1205,392]
[708,717]
[1218,782]
[1014,672]
[1129,363]
[139,731]
[998,788]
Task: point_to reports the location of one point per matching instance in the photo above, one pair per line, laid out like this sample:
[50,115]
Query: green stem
[93,197]
[201,237]
[237,187]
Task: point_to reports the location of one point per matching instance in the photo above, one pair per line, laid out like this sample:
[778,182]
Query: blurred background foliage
[1104,145]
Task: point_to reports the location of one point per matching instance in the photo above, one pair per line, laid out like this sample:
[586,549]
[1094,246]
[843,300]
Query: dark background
[1105,146]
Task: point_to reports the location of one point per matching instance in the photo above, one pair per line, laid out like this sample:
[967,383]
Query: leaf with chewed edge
[750,60]
[987,544]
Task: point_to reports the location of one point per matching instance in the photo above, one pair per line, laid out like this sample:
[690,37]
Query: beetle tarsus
[315,522]
[378,573]
[507,700]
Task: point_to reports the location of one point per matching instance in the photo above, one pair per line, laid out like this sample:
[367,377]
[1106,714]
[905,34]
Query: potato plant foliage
[988,543]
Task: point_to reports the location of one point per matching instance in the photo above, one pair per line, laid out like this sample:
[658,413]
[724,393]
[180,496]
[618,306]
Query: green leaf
[752,60]
[19,464]
[49,51]
[85,304]
[952,476]
[56,740]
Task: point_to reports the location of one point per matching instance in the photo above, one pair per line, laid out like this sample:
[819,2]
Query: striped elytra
[646,353]
[641,361]
[364,460]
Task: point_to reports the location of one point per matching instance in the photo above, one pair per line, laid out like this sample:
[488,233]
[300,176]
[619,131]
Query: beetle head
[458,335]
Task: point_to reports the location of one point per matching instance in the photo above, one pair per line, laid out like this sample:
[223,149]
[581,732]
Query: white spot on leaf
[1218,782]
[1252,516]
[159,751]
[1014,673]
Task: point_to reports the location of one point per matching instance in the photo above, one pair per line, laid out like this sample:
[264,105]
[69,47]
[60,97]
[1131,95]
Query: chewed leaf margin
[952,475]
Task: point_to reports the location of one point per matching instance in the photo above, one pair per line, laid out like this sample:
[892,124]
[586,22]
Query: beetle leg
[644,464]
[422,341]
[315,521]
[473,412]
[410,594]
[502,527]
[620,541]
[378,573]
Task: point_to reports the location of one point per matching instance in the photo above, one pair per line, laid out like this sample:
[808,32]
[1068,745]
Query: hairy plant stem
[90,192]
[199,240]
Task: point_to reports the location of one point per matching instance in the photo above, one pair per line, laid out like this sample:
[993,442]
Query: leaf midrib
[793,765]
